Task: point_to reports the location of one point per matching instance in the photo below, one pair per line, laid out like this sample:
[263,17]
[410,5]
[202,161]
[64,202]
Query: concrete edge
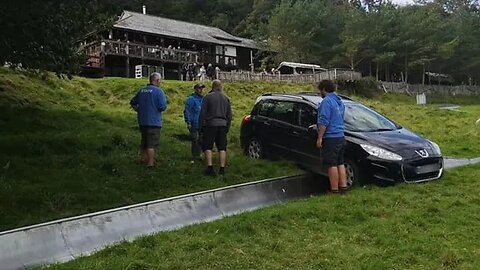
[66,239]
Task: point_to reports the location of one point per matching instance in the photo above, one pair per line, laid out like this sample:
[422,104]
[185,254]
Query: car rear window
[264,108]
[283,111]
[307,115]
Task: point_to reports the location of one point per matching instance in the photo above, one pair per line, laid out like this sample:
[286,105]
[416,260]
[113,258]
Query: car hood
[401,141]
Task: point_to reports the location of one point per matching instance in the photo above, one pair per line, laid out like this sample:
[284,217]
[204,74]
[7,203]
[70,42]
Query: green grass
[423,226]
[455,131]
[69,147]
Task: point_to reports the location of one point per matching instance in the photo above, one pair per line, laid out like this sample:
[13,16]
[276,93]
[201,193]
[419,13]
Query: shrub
[365,87]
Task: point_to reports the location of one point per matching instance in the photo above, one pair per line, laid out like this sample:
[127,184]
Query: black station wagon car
[377,148]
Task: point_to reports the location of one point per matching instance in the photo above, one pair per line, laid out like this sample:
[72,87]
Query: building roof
[172,28]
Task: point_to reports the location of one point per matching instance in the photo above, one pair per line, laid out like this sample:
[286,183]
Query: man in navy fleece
[149,103]
[331,138]
[191,113]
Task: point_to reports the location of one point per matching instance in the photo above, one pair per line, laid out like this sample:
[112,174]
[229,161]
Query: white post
[251,61]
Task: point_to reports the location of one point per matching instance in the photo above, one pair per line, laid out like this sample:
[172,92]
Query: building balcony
[134,50]
[95,51]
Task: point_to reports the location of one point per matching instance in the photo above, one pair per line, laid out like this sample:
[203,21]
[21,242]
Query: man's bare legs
[208,157]
[342,177]
[333,177]
[223,158]
[150,157]
[142,155]
[147,157]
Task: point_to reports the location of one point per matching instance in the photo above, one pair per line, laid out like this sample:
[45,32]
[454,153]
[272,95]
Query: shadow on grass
[60,163]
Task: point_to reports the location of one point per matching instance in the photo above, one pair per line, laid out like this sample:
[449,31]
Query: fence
[333,74]
[411,89]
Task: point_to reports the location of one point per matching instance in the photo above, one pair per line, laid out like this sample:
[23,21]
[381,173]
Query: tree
[305,31]
[351,50]
[46,35]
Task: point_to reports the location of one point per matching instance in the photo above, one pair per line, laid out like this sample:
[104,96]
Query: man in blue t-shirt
[149,103]
[191,113]
[331,138]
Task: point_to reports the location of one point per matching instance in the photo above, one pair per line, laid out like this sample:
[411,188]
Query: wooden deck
[99,49]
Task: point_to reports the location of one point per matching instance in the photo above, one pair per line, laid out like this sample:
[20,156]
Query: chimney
[144,9]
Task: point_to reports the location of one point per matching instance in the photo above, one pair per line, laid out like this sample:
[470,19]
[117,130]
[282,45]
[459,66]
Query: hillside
[69,147]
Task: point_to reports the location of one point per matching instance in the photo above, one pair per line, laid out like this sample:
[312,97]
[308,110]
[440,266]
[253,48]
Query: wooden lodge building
[139,40]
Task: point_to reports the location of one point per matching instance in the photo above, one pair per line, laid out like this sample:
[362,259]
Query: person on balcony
[202,73]
[210,71]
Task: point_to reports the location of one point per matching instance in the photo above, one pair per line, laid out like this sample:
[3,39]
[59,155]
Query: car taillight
[245,120]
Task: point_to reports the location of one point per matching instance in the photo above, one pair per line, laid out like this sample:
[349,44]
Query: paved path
[451,163]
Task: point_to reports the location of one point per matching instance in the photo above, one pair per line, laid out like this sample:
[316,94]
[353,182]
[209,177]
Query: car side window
[283,111]
[306,115]
[265,108]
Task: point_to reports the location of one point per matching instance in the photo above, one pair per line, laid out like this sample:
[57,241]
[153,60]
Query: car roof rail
[289,95]
[293,95]
[309,93]
[345,97]
[318,94]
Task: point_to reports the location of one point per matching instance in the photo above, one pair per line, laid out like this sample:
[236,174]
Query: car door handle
[295,133]
[267,123]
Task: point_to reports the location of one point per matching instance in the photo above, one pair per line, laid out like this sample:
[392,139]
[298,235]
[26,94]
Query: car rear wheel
[353,173]
[255,149]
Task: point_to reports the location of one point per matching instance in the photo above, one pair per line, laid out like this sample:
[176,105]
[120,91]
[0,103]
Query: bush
[365,87]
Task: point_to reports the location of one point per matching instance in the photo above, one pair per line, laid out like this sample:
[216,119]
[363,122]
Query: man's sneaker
[332,192]
[210,172]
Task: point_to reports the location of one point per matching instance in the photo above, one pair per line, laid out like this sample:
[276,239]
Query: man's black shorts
[217,135]
[333,150]
[150,137]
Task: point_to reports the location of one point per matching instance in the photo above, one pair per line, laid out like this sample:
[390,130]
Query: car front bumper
[408,171]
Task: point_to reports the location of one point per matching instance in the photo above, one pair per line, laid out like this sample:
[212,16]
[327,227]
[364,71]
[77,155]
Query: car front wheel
[353,173]
[255,149]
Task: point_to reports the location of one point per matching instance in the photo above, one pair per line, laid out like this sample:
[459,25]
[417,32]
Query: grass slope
[69,147]
[425,226]
[455,131]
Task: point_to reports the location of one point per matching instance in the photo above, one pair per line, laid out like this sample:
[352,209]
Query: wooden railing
[142,51]
[334,74]
[152,52]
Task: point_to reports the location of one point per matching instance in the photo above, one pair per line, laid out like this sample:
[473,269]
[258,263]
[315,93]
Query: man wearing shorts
[331,138]
[215,120]
[149,103]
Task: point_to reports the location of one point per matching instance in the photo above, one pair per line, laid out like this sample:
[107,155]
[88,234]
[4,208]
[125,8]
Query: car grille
[422,169]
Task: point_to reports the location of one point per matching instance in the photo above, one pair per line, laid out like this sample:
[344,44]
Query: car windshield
[359,118]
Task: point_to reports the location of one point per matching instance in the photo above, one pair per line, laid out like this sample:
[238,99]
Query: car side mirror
[313,129]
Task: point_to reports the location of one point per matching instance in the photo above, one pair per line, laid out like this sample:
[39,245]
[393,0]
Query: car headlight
[436,148]
[380,152]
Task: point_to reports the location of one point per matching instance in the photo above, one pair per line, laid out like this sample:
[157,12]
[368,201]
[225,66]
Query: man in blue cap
[191,113]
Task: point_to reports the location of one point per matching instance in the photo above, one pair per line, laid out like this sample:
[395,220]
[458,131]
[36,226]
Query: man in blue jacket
[331,138]
[191,113]
[149,103]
